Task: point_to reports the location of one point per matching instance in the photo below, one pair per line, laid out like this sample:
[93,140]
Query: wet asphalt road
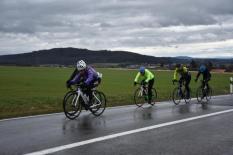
[212,135]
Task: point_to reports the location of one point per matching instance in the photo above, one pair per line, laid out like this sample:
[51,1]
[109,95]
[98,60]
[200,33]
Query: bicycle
[141,95]
[180,93]
[204,92]
[76,99]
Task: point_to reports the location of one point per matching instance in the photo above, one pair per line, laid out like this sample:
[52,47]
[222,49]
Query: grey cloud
[114,23]
[32,14]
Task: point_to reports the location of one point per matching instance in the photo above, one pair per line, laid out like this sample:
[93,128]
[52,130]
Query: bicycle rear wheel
[199,94]
[139,98]
[187,100]
[71,105]
[176,97]
[99,103]
[154,96]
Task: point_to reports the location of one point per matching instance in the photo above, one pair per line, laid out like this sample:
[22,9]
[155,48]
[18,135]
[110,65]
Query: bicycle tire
[99,109]
[176,96]
[209,94]
[199,94]
[75,111]
[95,111]
[154,96]
[139,98]
[71,91]
[187,100]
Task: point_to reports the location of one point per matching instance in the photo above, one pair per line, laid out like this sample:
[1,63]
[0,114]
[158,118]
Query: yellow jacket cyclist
[148,78]
[185,76]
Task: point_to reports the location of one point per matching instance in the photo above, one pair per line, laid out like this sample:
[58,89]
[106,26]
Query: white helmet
[81,65]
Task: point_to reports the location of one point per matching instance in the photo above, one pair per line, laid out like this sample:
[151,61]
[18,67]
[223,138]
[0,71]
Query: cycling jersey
[147,76]
[206,75]
[183,72]
[184,76]
[89,77]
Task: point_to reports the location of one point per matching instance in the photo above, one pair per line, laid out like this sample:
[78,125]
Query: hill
[68,56]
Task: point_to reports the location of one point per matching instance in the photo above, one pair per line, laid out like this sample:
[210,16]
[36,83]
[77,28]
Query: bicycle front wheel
[176,97]
[99,103]
[139,98]
[71,105]
[154,96]
[199,94]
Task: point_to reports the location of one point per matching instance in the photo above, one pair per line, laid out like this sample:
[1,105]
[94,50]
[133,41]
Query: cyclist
[75,72]
[185,76]
[148,78]
[87,76]
[206,75]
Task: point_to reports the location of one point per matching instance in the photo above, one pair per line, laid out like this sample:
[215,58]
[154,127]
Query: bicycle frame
[143,88]
[204,91]
[99,102]
[84,97]
[181,93]
[204,87]
[79,93]
[203,84]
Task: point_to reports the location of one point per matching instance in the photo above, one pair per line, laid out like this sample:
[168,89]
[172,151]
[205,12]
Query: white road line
[44,115]
[72,145]
[33,116]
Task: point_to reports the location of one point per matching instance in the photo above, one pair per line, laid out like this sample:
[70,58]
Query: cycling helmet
[202,68]
[178,65]
[81,65]
[142,69]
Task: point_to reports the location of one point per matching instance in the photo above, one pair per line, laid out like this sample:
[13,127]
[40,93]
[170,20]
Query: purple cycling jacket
[89,77]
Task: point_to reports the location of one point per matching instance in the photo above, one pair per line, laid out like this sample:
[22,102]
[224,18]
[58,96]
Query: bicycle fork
[75,100]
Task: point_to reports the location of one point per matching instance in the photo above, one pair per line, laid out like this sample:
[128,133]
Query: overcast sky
[197,28]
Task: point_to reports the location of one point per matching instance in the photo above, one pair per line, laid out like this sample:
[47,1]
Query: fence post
[231,85]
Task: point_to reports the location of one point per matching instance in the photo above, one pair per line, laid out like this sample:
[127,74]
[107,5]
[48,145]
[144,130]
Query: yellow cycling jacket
[147,76]
[182,72]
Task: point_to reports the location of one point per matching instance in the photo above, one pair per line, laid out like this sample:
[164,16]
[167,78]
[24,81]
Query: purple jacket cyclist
[87,76]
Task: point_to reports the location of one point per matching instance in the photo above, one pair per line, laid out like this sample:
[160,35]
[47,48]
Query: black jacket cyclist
[206,75]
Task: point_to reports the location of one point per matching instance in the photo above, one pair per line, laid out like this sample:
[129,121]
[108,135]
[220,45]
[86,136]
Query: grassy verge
[38,90]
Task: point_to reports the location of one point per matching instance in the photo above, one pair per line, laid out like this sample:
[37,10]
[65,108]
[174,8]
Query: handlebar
[179,84]
[75,86]
[174,81]
[142,84]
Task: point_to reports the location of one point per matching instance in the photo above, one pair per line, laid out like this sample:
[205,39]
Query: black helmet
[178,65]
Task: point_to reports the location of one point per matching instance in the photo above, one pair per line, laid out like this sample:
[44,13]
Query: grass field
[37,90]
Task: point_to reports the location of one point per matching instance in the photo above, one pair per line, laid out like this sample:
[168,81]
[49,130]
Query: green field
[37,90]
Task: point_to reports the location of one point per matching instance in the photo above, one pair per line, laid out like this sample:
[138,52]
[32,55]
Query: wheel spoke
[71,105]
[139,98]
[154,96]
[176,96]
[99,103]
